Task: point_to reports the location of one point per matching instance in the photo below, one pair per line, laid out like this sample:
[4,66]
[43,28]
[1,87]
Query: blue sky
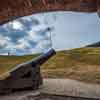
[29,34]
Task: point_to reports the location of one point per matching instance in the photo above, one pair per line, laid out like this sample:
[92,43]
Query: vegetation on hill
[97,44]
[8,62]
[81,64]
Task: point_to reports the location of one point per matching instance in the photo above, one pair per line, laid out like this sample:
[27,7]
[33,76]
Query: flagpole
[49,30]
[50,39]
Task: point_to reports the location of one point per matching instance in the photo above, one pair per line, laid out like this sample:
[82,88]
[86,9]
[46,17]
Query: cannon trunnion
[24,76]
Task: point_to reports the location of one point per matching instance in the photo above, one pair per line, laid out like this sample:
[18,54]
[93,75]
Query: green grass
[9,62]
[81,64]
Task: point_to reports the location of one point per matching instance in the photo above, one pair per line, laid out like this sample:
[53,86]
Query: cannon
[24,76]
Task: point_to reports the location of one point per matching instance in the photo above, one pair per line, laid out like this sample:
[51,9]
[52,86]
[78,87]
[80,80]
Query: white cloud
[3,53]
[23,44]
[17,25]
[44,45]
[35,50]
[3,41]
[35,37]
[37,28]
[28,18]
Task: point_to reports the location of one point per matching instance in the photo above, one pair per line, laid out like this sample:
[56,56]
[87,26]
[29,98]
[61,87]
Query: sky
[67,30]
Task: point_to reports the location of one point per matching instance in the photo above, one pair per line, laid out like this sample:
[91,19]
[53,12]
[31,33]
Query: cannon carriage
[24,76]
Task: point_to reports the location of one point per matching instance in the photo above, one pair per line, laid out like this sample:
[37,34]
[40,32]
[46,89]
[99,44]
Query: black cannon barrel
[26,75]
[23,68]
[44,57]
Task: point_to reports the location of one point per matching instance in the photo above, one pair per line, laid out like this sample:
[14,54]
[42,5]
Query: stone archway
[10,9]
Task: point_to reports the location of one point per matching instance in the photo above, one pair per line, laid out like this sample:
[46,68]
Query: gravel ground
[58,89]
[30,95]
[20,95]
[53,97]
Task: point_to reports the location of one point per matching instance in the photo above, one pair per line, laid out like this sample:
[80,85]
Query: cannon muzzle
[43,58]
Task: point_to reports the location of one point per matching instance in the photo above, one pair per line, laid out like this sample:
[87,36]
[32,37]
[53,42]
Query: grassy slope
[8,62]
[81,64]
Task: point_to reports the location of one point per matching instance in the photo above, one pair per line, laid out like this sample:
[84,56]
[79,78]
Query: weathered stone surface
[10,9]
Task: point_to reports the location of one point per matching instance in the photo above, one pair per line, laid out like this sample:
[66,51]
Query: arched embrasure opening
[75,39]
